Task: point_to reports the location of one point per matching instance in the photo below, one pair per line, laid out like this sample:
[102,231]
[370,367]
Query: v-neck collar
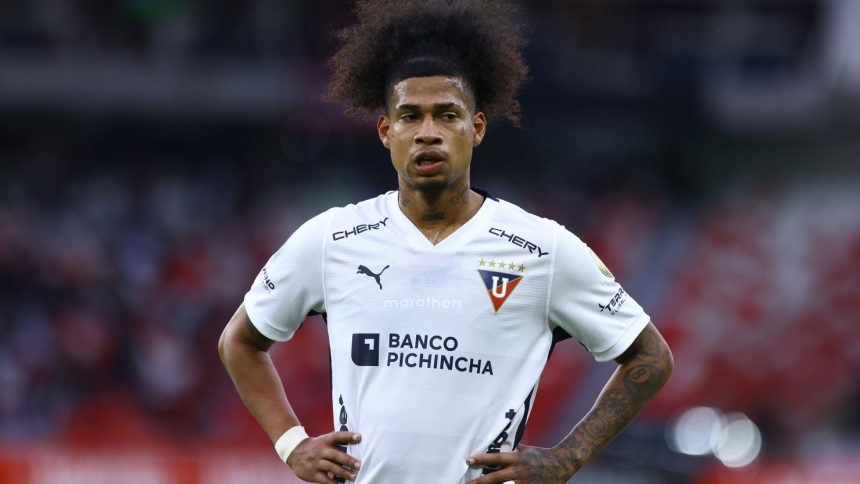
[459,237]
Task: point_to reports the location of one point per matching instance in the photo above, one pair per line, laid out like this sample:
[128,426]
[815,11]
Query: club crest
[499,285]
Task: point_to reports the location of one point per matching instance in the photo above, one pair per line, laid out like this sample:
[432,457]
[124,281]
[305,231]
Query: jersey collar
[462,236]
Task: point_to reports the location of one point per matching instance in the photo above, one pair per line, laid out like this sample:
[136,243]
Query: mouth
[428,162]
[428,156]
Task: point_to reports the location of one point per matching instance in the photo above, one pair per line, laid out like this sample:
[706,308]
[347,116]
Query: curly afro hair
[477,40]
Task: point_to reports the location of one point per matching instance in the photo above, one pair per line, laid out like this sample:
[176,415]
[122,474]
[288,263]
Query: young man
[442,303]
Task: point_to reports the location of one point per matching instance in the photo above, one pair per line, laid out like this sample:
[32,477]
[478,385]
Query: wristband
[287,442]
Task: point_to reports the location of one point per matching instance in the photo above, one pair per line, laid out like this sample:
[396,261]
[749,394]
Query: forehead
[430,90]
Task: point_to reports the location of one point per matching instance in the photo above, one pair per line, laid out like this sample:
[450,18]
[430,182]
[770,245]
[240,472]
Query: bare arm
[643,369]
[244,352]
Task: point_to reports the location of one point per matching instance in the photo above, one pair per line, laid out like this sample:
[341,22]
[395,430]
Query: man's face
[431,128]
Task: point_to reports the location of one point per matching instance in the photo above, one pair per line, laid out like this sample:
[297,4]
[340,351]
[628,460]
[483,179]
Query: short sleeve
[290,285]
[588,303]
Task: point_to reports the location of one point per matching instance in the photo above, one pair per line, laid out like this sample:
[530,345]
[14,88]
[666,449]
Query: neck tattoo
[433,216]
[461,196]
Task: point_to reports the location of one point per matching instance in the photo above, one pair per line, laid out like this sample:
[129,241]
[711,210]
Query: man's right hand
[316,459]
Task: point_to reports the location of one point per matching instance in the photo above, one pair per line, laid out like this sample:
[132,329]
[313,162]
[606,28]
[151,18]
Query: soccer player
[442,302]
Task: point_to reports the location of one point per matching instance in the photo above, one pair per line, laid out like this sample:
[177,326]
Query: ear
[479,123]
[382,126]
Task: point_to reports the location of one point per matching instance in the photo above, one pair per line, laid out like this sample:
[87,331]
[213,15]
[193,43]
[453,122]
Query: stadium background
[154,153]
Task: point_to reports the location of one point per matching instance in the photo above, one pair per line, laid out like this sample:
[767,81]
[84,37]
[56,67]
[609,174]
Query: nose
[427,132]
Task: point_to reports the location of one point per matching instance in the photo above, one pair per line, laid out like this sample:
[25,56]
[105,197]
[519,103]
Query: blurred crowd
[113,286]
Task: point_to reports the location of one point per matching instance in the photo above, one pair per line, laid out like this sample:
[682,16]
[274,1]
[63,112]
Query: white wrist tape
[287,442]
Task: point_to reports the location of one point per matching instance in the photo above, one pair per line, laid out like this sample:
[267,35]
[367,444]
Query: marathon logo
[358,229]
[519,241]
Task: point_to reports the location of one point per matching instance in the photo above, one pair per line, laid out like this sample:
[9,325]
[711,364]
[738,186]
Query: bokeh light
[740,441]
[733,439]
[697,431]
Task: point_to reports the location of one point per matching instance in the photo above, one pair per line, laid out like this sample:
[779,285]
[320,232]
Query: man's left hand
[526,465]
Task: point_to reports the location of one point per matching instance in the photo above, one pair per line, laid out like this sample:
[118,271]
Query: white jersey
[436,350]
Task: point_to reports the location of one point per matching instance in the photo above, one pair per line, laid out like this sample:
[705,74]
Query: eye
[408,117]
[449,116]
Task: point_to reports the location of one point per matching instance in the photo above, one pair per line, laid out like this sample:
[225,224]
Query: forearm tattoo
[637,380]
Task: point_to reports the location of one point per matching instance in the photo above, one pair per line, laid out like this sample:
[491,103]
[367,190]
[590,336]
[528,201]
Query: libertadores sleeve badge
[600,265]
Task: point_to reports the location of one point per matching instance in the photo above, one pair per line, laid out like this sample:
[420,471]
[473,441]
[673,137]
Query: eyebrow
[436,107]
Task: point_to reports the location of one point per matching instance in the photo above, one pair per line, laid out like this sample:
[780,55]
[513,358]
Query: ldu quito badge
[500,285]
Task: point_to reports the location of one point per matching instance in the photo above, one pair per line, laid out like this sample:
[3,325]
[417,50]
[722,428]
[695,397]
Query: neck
[439,212]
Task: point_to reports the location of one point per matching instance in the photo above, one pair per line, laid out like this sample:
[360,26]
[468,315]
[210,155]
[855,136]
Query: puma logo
[367,272]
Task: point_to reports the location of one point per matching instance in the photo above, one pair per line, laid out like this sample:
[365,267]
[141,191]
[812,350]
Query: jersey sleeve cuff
[624,341]
[262,323]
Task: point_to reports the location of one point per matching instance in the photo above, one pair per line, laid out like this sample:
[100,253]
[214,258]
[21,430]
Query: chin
[431,185]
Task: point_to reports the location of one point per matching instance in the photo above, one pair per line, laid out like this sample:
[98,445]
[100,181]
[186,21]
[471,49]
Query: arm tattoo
[644,369]
[538,467]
